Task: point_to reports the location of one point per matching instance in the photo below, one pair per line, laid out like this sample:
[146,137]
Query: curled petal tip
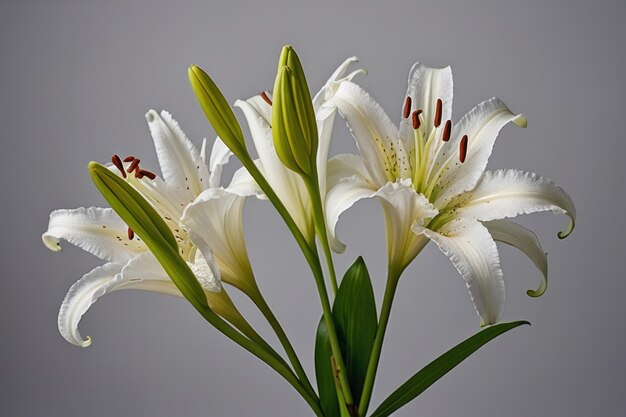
[539,291]
[86,342]
[521,121]
[151,115]
[565,233]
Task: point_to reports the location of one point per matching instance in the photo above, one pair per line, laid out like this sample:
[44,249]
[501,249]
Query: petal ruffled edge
[506,193]
[96,230]
[473,252]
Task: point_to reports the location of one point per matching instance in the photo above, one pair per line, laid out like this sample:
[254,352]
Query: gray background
[75,80]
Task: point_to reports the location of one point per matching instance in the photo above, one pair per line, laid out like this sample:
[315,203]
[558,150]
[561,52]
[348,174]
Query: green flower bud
[151,228]
[217,110]
[293,119]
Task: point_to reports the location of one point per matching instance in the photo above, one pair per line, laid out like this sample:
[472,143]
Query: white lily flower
[287,184]
[130,265]
[431,178]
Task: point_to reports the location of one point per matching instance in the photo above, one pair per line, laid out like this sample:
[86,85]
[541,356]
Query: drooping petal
[425,86]
[220,154]
[287,184]
[142,272]
[508,193]
[215,225]
[481,125]
[371,127]
[404,209]
[98,231]
[348,182]
[516,235]
[181,163]
[473,252]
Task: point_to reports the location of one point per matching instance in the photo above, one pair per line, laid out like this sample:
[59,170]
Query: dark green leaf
[324,373]
[439,367]
[354,312]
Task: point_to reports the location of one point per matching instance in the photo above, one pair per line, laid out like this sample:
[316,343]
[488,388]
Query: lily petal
[425,86]
[98,231]
[510,192]
[220,154]
[370,126]
[333,81]
[348,182]
[473,252]
[516,235]
[482,125]
[215,225]
[404,210]
[142,272]
[181,163]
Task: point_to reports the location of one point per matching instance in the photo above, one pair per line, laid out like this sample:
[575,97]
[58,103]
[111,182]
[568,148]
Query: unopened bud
[217,110]
[293,119]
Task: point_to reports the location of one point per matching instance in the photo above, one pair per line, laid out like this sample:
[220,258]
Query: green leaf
[419,382]
[355,315]
[324,372]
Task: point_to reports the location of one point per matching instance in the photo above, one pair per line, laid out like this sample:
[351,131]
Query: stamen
[118,164]
[463,149]
[416,119]
[446,131]
[131,234]
[146,173]
[129,158]
[133,166]
[407,107]
[438,113]
[265,97]
[137,172]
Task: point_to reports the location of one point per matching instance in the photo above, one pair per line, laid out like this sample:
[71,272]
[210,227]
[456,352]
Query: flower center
[131,171]
[432,154]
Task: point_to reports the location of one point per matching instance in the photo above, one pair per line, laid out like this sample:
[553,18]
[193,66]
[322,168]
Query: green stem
[392,284]
[267,312]
[249,331]
[312,257]
[259,352]
[320,226]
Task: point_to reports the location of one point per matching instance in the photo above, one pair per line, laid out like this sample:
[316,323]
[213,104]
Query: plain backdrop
[76,78]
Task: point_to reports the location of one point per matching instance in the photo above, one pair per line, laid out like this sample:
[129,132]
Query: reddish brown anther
[463,149]
[133,165]
[265,97]
[407,107]
[438,113]
[145,173]
[129,158]
[446,131]
[131,234]
[118,164]
[416,119]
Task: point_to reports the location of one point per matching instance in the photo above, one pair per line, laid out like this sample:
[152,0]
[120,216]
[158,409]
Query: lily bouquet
[181,234]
